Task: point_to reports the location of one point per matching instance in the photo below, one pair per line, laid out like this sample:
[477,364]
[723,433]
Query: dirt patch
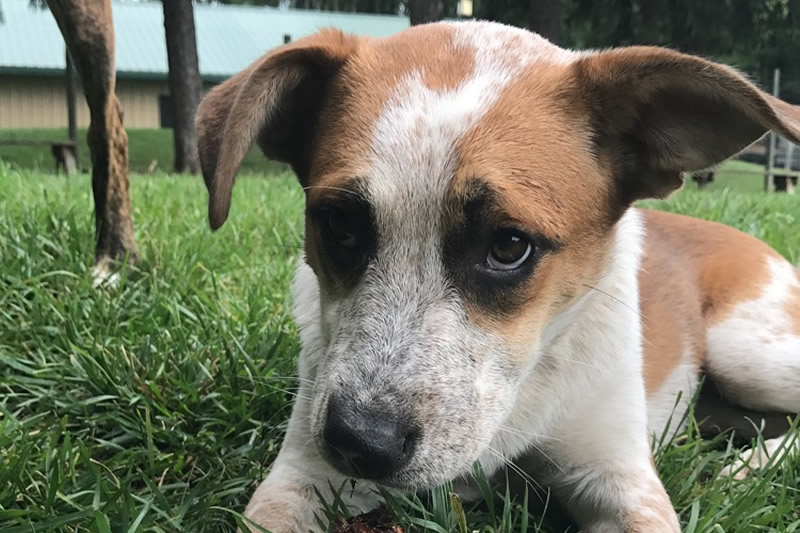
[377,521]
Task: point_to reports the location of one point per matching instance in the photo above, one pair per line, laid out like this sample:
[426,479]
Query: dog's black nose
[368,443]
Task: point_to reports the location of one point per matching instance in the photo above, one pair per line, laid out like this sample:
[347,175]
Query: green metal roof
[228,37]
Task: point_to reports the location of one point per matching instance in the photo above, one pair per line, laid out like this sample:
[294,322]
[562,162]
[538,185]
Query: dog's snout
[369,443]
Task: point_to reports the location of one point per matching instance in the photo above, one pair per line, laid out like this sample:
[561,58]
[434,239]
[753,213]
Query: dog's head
[463,182]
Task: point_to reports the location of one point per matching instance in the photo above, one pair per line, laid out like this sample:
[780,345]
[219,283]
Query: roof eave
[121,74]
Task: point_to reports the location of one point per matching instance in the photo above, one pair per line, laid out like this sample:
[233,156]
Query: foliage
[757,36]
[158,406]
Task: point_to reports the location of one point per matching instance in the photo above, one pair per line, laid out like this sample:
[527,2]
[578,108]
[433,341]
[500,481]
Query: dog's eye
[509,250]
[342,229]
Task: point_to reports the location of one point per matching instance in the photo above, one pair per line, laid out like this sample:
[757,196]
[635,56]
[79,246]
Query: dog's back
[720,302]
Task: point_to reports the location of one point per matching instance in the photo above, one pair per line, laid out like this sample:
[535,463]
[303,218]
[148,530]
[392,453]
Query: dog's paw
[104,275]
[765,453]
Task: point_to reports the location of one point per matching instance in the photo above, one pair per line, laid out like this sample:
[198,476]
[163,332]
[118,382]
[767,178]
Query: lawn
[159,405]
[739,175]
[149,150]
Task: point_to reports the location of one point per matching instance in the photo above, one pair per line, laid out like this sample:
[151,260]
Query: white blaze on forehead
[416,135]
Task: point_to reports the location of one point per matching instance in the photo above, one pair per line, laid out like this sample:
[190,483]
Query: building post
[72,121]
[773,138]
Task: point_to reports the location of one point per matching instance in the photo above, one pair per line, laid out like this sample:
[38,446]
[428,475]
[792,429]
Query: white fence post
[773,138]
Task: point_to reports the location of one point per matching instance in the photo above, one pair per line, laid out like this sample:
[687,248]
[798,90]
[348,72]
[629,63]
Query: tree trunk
[622,33]
[544,17]
[422,11]
[185,86]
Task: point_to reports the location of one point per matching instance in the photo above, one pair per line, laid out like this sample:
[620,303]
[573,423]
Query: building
[33,57]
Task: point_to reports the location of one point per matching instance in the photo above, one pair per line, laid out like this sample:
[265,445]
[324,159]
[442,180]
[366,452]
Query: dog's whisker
[521,433]
[296,394]
[339,189]
[292,378]
[546,456]
[517,469]
[534,445]
[568,360]
[296,247]
[611,296]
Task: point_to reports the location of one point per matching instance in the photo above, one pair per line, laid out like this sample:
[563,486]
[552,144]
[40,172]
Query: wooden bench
[703,178]
[64,152]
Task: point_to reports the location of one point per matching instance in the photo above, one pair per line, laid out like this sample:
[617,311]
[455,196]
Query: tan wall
[39,102]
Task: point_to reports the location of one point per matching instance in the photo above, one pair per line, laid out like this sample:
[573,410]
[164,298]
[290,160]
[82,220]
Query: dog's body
[475,285]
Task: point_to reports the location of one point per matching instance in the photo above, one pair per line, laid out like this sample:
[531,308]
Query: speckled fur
[556,390]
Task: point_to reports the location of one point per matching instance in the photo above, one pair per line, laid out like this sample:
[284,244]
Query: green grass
[159,405]
[739,175]
[147,149]
[152,149]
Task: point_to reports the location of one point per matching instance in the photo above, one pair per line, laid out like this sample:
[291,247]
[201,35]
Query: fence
[779,158]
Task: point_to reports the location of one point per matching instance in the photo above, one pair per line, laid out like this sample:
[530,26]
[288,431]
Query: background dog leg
[88,30]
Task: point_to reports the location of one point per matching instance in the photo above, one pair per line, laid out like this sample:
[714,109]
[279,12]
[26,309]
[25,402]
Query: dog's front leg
[607,498]
[287,500]
[606,476]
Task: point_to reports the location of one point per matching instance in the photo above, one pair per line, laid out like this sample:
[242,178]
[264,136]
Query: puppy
[475,285]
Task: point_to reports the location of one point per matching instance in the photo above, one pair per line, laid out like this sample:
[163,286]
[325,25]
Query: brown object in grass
[377,521]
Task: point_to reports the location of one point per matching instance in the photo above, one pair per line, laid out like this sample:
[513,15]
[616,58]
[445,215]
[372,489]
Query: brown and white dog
[475,285]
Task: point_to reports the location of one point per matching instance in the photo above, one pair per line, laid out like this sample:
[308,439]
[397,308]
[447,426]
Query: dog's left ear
[656,113]
[275,102]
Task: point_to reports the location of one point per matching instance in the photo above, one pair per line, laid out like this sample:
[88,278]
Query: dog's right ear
[276,101]
[656,113]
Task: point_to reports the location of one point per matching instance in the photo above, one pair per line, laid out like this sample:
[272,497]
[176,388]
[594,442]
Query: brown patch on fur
[672,316]
[695,273]
[314,103]
[518,149]
[729,267]
[88,30]
[361,92]
[793,307]
[633,502]
[654,513]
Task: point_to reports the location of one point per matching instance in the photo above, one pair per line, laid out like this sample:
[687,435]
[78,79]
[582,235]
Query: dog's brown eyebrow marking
[480,200]
[352,190]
